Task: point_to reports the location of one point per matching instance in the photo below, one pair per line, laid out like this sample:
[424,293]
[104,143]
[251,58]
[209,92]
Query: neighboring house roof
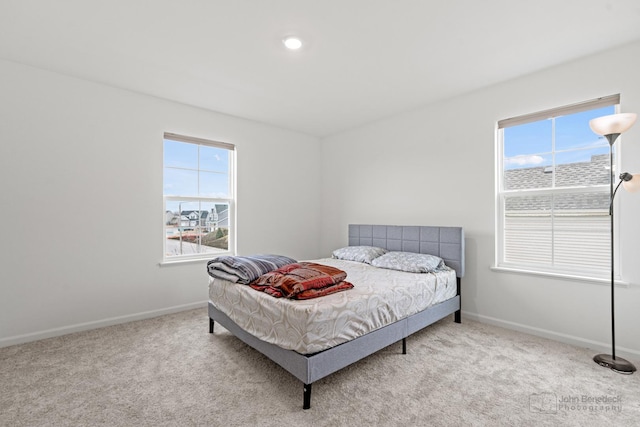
[593,172]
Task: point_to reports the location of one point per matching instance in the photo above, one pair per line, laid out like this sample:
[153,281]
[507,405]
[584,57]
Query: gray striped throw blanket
[245,269]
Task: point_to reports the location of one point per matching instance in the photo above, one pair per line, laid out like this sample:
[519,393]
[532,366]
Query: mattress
[379,297]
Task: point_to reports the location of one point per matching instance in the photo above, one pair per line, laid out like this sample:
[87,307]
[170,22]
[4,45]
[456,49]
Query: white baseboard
[56,332]
[597,347]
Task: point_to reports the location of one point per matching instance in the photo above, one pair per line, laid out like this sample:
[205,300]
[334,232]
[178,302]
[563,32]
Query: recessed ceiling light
[292,43]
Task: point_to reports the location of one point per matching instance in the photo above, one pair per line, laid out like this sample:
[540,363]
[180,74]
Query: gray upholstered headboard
[445,242]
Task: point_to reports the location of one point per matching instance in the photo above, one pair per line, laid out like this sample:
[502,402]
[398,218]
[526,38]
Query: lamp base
[618,364]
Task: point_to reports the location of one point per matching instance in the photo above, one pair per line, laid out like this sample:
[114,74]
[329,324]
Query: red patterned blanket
[303,280]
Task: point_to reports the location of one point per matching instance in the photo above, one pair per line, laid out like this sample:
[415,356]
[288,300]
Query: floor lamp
[611,127]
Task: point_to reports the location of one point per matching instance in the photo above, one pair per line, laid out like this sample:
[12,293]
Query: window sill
[168,263]
[597,281]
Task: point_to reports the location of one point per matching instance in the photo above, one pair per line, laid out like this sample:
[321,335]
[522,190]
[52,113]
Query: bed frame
[445,242]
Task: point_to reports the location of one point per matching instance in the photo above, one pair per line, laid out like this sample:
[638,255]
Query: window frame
[230,201]
[500,193]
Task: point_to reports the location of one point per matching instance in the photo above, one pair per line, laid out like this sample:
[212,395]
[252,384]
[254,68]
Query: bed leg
[306,404]
[404,346]
[210,325]
[458,314]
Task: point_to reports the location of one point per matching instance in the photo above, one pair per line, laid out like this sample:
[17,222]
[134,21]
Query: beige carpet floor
[169,371]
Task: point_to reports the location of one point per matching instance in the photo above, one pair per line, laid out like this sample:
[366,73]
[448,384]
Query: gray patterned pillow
[359,253]
[408,261]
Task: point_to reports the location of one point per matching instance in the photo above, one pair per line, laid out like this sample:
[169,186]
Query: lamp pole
[616,364]
[612,138]
[180,225]
[611,127]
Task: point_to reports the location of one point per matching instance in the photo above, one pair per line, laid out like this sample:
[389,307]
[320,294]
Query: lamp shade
[633,185]
[615,123]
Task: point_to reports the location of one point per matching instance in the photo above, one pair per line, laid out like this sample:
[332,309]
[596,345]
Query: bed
[287,341]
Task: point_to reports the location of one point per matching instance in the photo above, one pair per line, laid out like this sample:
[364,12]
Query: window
[198,190]
[553,183]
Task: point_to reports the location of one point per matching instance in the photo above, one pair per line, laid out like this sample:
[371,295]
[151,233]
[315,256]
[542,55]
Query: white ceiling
[363,60]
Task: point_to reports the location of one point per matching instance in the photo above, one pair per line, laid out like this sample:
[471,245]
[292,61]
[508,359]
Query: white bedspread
[379,297]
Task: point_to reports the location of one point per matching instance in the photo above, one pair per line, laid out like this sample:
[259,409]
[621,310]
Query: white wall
[436,167]
[81,176]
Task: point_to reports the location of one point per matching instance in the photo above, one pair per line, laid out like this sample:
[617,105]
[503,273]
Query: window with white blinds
[553,177]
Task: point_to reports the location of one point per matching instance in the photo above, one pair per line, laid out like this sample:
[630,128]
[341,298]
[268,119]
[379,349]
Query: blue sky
[530,145]
[194,170]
